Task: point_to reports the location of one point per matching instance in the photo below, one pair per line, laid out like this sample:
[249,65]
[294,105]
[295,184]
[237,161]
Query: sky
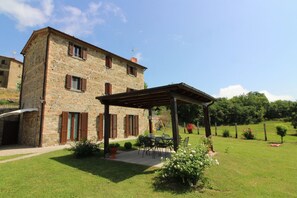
[224,48]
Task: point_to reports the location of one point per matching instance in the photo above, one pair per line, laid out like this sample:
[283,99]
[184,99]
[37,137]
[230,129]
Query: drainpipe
[42,100]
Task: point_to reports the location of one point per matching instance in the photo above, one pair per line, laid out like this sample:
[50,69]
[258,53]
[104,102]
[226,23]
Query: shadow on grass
[112,170]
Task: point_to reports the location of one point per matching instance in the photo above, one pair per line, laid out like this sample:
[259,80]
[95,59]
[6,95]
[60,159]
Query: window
[1,73]
[3,62]
[74,127]
[131,125]
[108,61]
[75,83]
[131,70]
[77,51]
[113,126]
[108,89]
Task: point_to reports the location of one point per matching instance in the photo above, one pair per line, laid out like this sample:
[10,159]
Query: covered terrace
[169,95]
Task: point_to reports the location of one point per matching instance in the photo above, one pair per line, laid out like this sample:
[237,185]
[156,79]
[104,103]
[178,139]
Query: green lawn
[248,168]
[2,158]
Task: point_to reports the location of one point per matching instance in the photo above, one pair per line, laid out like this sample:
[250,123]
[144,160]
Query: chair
[149,144]
[162,144]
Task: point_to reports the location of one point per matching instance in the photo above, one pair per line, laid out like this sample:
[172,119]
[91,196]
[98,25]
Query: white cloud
[237,90]
[271,97]
[26,15]
[231,91]
[117,11]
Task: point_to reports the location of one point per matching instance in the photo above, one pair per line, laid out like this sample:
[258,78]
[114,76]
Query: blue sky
[224,48]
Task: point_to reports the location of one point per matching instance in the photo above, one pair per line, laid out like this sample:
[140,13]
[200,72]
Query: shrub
[128,145]
[226,133]
[114,145]
[281,130]
[84,148]
[186,166]
[247,134]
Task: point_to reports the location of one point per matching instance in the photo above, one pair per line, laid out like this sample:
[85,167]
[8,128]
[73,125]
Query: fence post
[265,134]
[198,127]
[184,127]
[216,130]
[236,130]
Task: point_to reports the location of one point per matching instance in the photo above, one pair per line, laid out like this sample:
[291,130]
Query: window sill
[76,90]
[78,58]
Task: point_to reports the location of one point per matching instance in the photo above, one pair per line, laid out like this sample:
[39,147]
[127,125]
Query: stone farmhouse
[61,78]
[10,72]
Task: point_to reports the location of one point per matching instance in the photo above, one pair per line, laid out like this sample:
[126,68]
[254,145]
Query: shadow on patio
[112,170]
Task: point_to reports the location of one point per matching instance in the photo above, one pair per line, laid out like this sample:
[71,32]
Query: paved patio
[133,157]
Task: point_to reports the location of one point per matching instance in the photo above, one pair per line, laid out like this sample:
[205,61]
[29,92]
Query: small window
[108,61]
[75,83]
[77,51]
[130,89]
[3,62]
[108,89]
[131,70]
[1,73]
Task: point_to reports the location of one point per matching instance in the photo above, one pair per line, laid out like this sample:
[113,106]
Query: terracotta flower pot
[113,151]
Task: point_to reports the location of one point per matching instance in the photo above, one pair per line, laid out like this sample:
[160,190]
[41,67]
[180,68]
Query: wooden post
[150,121]
[185,128]
[174,120]
[216,130]
[198,127]
[236,136]
[265,134]
[106,128]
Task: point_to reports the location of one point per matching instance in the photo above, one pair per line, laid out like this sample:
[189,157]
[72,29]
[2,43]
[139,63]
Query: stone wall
[32,89]
[15,73]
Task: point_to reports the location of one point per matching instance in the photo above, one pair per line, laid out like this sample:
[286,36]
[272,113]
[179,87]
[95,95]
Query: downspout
[42,100]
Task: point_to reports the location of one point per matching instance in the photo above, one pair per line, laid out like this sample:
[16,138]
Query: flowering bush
[187,166]
[84,148]
[247,134]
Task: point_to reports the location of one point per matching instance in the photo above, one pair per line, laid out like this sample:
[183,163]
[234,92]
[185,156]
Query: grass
[9,97]
[248,168]
[2,158]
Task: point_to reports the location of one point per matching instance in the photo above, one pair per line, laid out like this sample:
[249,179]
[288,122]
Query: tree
[294,115]
[281,130]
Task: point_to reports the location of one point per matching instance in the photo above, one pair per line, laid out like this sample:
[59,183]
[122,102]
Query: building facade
[10,72]
[61,77]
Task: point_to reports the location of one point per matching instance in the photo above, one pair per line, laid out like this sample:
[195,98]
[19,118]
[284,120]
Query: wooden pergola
[158,96]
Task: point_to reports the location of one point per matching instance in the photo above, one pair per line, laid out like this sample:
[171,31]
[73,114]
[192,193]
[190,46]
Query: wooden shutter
[113,126]
[108,61]
[136,125]
[84,53]
[83,126]
[127,126]
[68,81]
[100,127]
[64,127]
[70,49]
[128,69]
[83,84]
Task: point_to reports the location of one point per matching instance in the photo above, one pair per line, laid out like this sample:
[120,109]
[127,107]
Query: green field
[248,168]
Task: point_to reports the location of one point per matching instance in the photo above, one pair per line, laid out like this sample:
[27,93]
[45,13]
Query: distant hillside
[9,97]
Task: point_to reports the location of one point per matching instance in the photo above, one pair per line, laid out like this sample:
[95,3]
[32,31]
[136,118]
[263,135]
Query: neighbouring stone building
[61,77]
[10,72]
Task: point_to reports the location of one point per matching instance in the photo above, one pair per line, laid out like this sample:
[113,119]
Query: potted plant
[113,148]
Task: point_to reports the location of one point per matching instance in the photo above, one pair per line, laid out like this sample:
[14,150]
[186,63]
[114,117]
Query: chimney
[134,60]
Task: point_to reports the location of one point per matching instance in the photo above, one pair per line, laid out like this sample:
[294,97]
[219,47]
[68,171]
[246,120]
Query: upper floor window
[3,62]
[77,51]
[132,70]
[76,83]
[108,89]
[108,61]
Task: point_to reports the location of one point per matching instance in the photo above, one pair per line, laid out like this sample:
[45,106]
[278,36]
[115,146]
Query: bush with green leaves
[187,166]
[281,130]
[247,134]
[128,145]
[84,148]
[226,133]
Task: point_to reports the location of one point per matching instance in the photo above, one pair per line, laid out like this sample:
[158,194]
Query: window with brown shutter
[127,126]
[131,125]
[77,51]
[68,81]
[83,126]
[100,127]
[84,54]
[64,127]
[108,89]
[113,126]
[108,61]
[70,49]
[83,84]
[75,83]
[132,70]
